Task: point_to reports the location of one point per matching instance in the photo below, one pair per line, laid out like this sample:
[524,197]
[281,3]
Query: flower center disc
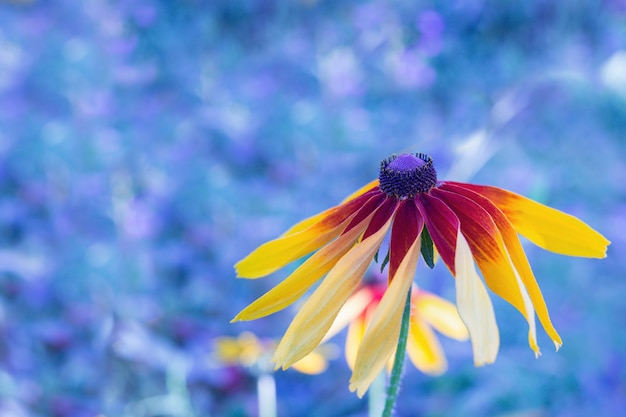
[406,175]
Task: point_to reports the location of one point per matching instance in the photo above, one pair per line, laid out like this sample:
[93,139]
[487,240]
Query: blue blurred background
[146,146]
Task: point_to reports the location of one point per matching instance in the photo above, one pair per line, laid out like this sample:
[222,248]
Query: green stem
[398,364]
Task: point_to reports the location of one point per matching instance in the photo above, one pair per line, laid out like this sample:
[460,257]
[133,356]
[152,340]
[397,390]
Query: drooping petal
[384,213]
[424,349]
[372,205]
[406,228]
[546,227]
[303,224]
[439,313]
[356,331]
[475,306]
[381,338]
[518,257]
[318,313]
[351,310]
[307,274]
[373,185]
[442,225]
[277,253]
[491,256]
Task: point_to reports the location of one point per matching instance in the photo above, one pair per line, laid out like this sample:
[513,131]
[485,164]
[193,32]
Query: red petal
[487,247]
[442,225]
[516,251]
[406,228]
[384,213]
[370,206]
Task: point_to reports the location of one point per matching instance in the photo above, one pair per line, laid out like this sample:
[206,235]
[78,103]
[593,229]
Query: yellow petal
[546,227]
[353,308]
[318,313]
[312,364]
[277,253]
[529,309]
[475,306]
[308,222]
[441,314]
[381,337]
[424,349]
[307,274]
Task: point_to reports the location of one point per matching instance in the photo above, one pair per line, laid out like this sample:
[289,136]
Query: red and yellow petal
[518,257]
[546,227]
[277,253]
[307,274]
[373,185]
[318,313]
[363,194]
[492,258]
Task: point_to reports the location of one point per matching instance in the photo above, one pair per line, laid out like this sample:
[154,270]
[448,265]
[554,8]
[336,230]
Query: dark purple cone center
[406,162]
[404,176]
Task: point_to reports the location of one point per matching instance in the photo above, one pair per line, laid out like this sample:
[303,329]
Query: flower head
[251,352]
[468,225]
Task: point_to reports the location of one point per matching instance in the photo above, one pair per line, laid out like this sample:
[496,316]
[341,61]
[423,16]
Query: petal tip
[278,363]
[359,388]
[482,362]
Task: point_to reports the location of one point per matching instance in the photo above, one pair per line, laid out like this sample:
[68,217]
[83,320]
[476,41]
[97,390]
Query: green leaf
[385,262]
[427,249]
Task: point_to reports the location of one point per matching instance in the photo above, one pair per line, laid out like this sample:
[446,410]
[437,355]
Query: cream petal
[381,338]
[475,306]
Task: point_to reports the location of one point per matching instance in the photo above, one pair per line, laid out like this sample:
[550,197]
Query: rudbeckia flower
[428,312]
[248,351]
[468,225]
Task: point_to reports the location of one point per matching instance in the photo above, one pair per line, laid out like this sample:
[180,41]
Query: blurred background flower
[428,312]
[249,351]
[146,146]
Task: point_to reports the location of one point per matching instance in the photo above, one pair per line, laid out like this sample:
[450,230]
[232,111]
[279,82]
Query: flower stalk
[398,363]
